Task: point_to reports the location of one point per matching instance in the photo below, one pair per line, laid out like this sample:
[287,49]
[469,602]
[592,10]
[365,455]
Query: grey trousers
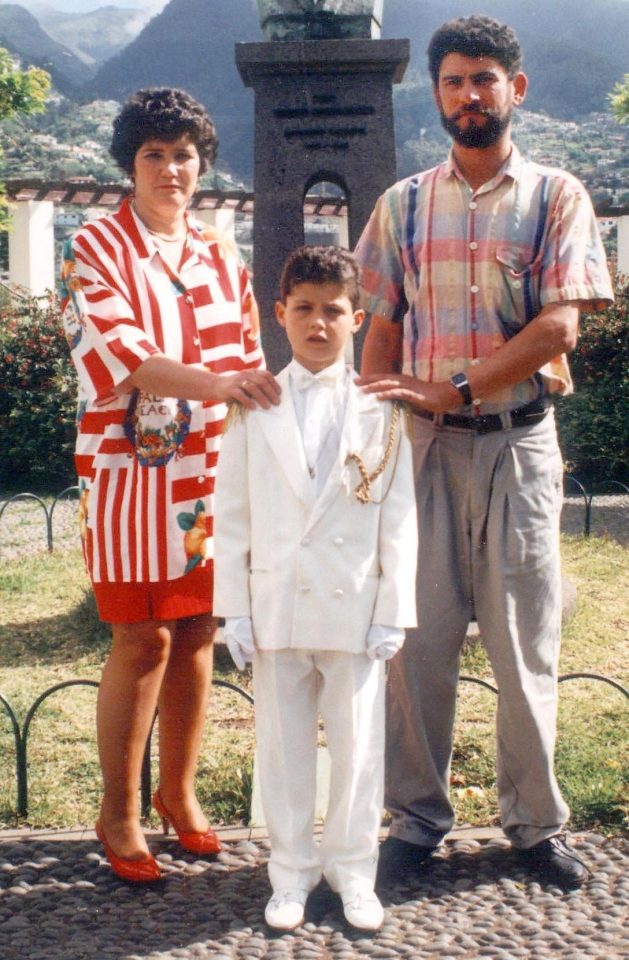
[488,517]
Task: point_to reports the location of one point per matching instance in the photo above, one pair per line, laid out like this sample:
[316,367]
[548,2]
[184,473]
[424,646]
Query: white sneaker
[363,910]
[285,909]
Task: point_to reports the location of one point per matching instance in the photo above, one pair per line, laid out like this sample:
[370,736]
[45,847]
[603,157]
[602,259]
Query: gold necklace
[155,233]
[160,236]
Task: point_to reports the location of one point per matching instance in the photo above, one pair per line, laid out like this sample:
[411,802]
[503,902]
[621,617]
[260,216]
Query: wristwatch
[459,380]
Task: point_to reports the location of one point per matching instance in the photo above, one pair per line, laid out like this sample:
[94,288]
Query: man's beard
[475,135]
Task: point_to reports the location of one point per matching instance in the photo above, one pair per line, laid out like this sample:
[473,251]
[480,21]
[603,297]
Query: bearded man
[475,273]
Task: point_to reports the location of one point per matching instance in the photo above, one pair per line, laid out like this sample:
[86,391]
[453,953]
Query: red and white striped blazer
[146,464]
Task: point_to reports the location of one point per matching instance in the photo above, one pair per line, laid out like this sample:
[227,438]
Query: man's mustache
[471,108]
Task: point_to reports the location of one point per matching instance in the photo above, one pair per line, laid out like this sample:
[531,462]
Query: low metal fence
[21,735]
[585,491]
[40,503]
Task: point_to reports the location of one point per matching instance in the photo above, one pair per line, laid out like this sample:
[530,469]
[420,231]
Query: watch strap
[459,380]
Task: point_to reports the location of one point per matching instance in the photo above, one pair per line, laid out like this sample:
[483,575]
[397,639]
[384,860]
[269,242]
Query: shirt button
[197,341]
[474,326]
[473,204]
[517,284]
[188,299]
[304,589]
[474,288]
[473,245]
[306,542]
[200,479]
[338,541]
[475,361]
[338,594]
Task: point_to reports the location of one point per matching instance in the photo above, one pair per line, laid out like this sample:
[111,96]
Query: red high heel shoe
[193,841]
[145,870]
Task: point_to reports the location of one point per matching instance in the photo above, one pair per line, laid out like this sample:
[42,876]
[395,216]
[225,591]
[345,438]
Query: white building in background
[31,238]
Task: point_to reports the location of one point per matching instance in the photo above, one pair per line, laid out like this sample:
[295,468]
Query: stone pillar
[323,112]
[32,246]
[623,244]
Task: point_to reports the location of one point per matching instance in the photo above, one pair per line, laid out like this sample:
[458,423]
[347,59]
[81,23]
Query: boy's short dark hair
[322,265]
[475,36]
[162,114]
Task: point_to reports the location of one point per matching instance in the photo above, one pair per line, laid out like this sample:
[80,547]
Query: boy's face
[319,319]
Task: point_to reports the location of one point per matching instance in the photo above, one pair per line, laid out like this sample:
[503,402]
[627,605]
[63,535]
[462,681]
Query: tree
[21,92]
[619,98]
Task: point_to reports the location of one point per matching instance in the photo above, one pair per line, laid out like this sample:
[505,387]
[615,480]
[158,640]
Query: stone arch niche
[326,196]
[323,112]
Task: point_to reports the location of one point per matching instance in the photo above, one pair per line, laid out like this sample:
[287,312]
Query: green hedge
[594,421]
[37,398]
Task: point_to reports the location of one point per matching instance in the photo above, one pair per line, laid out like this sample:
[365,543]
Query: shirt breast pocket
[521,288]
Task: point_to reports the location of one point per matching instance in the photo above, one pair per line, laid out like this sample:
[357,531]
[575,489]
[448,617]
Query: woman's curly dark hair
[475,36]
[161,114]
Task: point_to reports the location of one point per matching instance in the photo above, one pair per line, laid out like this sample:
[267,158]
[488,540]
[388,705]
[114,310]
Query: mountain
[22,35]
[574,53]
[574,50]
[190,44]
[97,35]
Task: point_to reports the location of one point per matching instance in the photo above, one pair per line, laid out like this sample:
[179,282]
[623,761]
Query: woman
[163,331]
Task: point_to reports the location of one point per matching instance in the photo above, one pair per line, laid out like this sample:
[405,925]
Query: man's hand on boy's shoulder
[436,397]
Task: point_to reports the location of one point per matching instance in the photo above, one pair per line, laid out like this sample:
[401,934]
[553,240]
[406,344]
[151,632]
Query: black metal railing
[48,511]
[21,735]
[587,492]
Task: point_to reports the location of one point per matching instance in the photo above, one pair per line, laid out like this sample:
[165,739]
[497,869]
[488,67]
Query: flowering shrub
[594,423]
[37,397]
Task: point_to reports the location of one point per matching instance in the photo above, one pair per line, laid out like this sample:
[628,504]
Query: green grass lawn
[49,633]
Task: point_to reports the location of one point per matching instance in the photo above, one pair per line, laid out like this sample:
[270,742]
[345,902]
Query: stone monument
[322,84]
[320,19]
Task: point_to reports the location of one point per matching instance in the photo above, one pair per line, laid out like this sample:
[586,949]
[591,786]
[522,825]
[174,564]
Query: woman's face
[165,174]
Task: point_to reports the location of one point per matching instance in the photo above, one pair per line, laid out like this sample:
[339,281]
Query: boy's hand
[383,642]
[238,635]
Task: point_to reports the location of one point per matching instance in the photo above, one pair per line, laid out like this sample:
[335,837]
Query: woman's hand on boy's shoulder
[251,388]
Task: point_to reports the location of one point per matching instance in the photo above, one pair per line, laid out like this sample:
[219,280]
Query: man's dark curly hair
[321,265]
[475,36]
[162,114]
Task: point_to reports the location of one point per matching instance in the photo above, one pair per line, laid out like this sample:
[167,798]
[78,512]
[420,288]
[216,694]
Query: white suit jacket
[314,572]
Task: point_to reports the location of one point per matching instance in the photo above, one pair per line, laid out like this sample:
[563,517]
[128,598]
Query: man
[475,273]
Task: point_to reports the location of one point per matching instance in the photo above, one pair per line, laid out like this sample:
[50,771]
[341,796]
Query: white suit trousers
[291,689]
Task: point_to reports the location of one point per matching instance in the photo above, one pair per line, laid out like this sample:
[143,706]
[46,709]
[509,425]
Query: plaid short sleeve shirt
[464,271]
[146,464]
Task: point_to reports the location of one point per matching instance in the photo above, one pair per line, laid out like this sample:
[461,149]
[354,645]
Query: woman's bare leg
[127,699]
[183,704]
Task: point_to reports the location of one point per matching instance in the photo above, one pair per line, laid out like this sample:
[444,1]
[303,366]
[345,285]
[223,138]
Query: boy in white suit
[315,553]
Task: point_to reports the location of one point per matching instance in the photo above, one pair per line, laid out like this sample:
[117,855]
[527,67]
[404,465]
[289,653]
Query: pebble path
[60,901]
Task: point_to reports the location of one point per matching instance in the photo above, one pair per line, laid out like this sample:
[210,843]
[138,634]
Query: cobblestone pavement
[60,901]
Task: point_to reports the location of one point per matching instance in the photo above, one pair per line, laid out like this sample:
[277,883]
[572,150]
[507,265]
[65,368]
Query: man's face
[476,98]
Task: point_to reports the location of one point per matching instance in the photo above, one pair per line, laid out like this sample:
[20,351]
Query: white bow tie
[303,379]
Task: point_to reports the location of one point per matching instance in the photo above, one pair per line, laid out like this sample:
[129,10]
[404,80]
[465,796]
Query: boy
[316,538]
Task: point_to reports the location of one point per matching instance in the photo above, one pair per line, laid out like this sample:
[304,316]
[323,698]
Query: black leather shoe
[555,862]
[400,859]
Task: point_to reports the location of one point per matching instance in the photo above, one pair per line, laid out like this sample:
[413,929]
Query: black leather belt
[526,416]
